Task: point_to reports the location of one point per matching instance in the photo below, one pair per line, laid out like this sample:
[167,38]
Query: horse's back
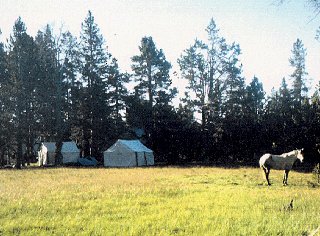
[279,162]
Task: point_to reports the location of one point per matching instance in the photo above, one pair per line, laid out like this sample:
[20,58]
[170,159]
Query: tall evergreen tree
[315,103]
[297,61]
[23,73]
[255,98]
[204,66]
[47,86]
[252,121]
[151,72]
[51,115]
[279,120]
[233,105]
[299,92]
[285,100]
[284,121]
[117,97]
[222,63]
[213,71]
[193,66]
[7,142]
[95,61]
[233,85]
[73,88]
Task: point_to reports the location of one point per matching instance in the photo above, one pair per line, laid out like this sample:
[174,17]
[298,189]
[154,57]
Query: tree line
[60,87]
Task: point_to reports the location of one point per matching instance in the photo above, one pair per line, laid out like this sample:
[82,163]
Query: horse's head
[300,154]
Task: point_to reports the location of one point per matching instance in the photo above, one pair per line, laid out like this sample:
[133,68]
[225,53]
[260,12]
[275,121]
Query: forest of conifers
[61,87]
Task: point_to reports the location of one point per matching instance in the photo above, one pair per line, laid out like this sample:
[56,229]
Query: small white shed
[128,153]
[70,153]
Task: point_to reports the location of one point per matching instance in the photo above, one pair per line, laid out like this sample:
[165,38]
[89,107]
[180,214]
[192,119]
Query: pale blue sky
[265,32]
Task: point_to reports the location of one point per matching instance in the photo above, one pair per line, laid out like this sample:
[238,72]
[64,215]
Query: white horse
[284,162]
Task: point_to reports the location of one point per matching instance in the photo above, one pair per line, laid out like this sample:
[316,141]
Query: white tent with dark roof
[128,153]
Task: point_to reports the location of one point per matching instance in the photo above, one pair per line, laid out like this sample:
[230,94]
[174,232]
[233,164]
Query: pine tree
[233,86]
[71,63]
[151,72]
[193,66]
[285,100]
[271,125]
[7,139]
[217,88]
[117,96]
[299,92]
[73,88]
[50,90]
[297,61]
[252,120]
[255,98]
[23,69]
[47,86]
[315,104]
[204,65]
[285,122]
[279,120]
[94,70]
[221,62]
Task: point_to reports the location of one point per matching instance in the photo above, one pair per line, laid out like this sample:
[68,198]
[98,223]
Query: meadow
[156,201]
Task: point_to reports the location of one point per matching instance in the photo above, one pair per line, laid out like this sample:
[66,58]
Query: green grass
[155,201]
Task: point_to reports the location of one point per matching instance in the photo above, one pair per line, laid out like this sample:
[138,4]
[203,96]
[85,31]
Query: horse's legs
[285,177]
[266,172]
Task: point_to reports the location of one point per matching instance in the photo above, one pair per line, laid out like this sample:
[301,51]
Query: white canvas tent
[128,153]
[70,153]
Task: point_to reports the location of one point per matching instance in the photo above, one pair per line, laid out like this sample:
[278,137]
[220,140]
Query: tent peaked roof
[134,145]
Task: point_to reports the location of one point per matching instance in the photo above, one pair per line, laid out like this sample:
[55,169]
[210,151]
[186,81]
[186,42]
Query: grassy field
[156,201]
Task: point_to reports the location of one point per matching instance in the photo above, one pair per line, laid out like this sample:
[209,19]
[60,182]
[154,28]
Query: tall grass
[155,201]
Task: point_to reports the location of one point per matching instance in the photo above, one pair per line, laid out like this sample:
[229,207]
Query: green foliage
[156,201]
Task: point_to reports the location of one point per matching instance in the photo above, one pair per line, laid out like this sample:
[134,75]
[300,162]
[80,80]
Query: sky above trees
[265,31]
